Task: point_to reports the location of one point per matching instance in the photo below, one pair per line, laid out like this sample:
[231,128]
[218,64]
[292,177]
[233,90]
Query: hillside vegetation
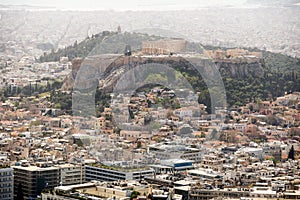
[281,72]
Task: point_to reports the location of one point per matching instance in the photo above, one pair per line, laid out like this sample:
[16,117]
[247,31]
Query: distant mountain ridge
[24,7]
[274,2]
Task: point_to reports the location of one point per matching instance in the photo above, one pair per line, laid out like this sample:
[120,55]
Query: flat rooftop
[120,168]
[35,168]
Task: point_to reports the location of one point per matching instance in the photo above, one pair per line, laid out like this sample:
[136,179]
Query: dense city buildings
[252,154]
[90,110]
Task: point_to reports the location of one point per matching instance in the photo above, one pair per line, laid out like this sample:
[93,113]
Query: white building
[71,174]
[100,172]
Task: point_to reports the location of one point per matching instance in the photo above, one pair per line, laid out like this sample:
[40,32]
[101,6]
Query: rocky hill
[110,67]
[244,81]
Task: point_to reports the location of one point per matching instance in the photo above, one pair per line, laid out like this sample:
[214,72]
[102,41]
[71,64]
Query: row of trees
[76,50]
[105,42]
[61,100]
[32,89]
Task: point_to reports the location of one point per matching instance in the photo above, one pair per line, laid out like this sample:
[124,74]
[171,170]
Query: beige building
[71,174]
[134,135]
[163,46]
[119,190]
[232,54]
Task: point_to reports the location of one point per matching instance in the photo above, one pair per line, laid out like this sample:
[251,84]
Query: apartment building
[114,173]
[71,174]
[6,183]
[34,179]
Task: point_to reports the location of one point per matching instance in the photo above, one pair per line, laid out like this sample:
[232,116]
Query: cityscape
[150,101]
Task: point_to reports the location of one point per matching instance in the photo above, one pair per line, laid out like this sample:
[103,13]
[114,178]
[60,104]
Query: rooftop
[34,168]
[124,168]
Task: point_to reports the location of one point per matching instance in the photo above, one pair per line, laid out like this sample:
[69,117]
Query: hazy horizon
[122,5]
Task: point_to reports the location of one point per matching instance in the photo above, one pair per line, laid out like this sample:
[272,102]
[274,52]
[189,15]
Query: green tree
[185,130]
[292,153]
[139,144]
[204,98]
[157,78]
[134,194]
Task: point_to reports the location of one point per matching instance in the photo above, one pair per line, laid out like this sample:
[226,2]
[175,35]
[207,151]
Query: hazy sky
[124,4]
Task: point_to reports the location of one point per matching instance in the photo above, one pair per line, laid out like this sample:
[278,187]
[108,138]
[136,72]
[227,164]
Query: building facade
[34,179]
[105,173]
[71,174]
[164,46]
[6,184]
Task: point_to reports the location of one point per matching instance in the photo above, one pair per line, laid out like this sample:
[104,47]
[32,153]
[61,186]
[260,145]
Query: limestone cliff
[241,69]
[105,70]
